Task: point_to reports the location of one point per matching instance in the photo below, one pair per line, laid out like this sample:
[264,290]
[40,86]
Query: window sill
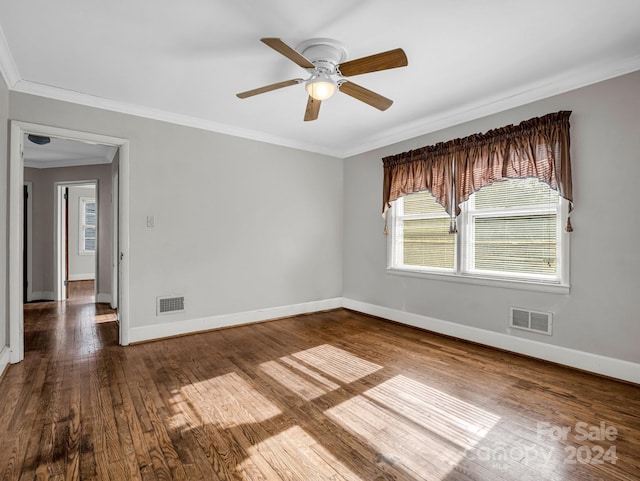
[527,285]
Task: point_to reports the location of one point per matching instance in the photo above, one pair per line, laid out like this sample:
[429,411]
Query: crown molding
[51,164]
[56,93]
[548,87]
[8,65]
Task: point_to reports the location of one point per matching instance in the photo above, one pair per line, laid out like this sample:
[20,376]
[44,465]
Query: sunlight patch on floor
[100,318]
[228,400]
[304,388]
[423,431]
[301,372]
[455,420]
[295,455]
[337,363]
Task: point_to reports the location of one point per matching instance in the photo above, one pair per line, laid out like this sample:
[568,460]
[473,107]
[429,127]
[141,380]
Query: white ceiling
[66,153]
[185,61]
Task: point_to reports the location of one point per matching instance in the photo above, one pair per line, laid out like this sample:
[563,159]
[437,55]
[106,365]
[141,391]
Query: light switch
[150,221]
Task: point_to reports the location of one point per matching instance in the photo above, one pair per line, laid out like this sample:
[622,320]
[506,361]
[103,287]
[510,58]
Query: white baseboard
[607,366]
[43,296]
[4,359]
[90,276]
[158,331]
[103,298]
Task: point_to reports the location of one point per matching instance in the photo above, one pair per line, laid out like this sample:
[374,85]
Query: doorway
[76,234]
[17,268]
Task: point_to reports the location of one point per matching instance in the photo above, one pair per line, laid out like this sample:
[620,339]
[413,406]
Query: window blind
[426,241]
[515,228]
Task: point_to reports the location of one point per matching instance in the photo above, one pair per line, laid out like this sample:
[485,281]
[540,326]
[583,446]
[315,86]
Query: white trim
[115,236]
[83,200]
[607,366]
[169,329]
[522,95]
[8,66]
[29,185]
[580,77]
[103,298]
[59,239]
[47,91]
[59,233]
[503,283]
[89,276]
[16,179]
[462,271]
[15,299]
[123,244]
[5,357]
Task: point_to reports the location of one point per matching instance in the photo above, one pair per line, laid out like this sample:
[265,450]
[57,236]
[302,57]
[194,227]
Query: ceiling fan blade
[284,49]
[373,63]
[365,95]
[269,88]
[313,109]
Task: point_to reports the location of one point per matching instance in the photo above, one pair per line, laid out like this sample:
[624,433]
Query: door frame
[115,238]
[16,183]
[28,248]
[61,237]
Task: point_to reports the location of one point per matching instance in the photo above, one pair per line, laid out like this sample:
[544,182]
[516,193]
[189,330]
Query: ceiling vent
[169,305]
[527,320]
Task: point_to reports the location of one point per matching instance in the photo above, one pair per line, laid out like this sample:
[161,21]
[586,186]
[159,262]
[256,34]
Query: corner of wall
[585,361]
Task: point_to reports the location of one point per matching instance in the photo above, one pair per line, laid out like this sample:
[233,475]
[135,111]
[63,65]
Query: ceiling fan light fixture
[321,87]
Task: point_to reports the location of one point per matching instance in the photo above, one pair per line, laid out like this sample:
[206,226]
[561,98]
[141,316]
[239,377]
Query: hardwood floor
[328,396]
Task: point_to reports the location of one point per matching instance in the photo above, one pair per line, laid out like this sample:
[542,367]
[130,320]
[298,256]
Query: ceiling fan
[323,59]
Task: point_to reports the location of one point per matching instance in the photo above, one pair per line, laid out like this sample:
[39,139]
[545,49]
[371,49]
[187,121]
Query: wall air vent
[528,320]
[169,305]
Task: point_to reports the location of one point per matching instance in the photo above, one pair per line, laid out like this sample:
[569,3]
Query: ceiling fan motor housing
[325,53]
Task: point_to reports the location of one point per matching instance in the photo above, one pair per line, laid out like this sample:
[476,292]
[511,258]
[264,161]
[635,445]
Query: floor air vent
[169,305]
[528,320]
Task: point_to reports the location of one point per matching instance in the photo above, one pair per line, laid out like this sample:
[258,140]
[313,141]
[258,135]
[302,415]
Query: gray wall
[4,174]
[600,315]
[239,225]
[43,224]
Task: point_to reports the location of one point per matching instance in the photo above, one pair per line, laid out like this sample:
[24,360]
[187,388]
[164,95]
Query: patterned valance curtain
[454,170]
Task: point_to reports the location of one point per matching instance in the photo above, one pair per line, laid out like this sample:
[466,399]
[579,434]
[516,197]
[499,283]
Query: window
[420,234]
[509,230]
[88,219]
[507,193]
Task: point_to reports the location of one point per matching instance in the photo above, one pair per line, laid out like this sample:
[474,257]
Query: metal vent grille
[169,305]
[535,321]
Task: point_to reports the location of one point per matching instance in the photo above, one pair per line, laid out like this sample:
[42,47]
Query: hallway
[76,325]
[65,343]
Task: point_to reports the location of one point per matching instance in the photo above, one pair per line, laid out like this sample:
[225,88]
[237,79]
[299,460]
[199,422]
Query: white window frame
[397,232]
[465,273]
[82,226]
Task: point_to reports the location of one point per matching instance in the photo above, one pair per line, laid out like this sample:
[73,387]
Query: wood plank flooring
[327,396]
